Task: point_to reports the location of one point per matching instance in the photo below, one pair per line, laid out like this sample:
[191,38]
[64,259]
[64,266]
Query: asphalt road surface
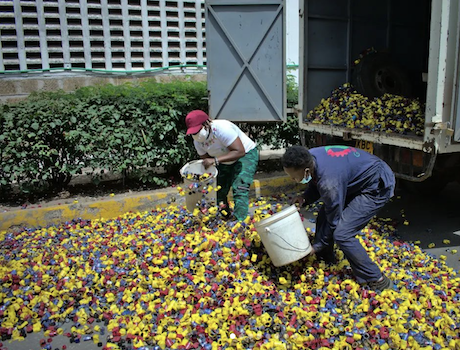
[430,220]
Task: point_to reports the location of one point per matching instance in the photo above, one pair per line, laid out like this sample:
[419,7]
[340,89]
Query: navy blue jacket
[341,173]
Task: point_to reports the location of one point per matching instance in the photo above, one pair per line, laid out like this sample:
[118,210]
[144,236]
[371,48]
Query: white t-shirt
[223,134]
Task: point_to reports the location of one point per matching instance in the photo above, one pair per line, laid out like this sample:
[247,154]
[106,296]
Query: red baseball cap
[194,121]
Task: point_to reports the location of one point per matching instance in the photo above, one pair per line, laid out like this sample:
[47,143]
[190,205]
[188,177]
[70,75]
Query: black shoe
[380,285]
[329,259]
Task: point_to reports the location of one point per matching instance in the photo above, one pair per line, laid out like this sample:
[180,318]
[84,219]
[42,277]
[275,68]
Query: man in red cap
[222,144]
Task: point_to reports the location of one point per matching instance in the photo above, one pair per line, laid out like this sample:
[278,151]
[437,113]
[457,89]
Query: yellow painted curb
[118,205]
[109,208]
[267,185]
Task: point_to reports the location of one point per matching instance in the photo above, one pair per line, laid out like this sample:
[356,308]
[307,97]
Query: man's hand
[299,199]
[207,162]
[312,251]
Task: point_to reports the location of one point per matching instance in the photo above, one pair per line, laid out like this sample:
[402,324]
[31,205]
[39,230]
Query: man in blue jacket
[353,186]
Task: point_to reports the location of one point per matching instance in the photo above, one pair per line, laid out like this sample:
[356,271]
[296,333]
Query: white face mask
[201,136]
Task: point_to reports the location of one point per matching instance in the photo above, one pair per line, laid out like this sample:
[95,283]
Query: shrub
[131,130]
[135,129]
[34,150]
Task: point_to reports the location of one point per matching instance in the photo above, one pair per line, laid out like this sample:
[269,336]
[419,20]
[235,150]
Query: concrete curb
[120,204]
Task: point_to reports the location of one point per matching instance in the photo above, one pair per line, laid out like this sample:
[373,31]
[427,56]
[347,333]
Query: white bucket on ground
[196,192]
[284,236]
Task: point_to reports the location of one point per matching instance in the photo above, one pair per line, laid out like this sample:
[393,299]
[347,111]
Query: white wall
[144,35]
[112,35]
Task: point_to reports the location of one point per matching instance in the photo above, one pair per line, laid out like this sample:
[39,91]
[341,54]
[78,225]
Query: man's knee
[343,237]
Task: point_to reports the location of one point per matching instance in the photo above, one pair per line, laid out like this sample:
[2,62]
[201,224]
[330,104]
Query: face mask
[201,136]
[305,180]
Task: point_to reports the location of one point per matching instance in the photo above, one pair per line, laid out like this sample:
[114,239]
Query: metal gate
[456,101]
[245,48]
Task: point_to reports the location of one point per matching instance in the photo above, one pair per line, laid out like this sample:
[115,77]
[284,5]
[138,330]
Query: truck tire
[376,75]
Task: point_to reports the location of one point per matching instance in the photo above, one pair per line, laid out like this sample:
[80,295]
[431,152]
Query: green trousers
[238,176]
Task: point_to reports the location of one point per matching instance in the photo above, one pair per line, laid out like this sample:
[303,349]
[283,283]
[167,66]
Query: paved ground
[431,220]
[32,342]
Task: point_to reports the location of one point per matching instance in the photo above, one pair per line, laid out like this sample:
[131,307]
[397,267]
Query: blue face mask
[305,180]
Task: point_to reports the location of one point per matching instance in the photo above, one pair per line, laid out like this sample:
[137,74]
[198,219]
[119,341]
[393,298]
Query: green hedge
[129,129]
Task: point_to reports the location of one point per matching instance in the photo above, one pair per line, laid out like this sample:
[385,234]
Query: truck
[408,48]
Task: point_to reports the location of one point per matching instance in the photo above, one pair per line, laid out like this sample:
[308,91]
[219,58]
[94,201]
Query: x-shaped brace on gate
[246,63]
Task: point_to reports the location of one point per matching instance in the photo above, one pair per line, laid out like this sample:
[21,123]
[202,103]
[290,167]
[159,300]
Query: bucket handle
[268,231]
[197,161]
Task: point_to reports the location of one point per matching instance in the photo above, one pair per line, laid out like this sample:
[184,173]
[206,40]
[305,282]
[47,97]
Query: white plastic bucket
[284,236]
[196,192]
